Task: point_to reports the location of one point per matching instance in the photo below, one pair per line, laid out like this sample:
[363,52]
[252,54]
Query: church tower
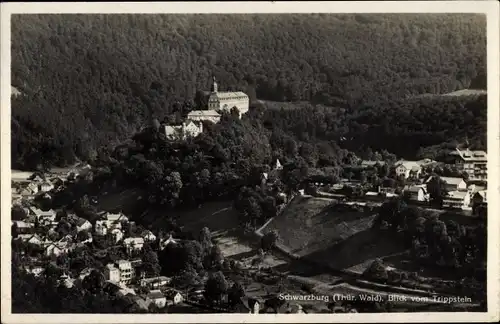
[214,85]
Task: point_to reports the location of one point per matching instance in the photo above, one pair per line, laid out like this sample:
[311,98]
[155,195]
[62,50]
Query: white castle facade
[227,100]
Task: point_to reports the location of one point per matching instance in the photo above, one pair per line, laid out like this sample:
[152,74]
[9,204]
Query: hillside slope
[91,80]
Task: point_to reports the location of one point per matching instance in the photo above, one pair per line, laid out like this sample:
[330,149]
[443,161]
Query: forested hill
[88,81]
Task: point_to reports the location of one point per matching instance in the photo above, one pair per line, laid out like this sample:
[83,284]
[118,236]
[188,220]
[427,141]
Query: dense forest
[89,81]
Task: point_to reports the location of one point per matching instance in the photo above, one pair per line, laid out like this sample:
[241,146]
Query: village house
[101,228]
[474,163]
[189,128]
[169,240]
[173,297]
[23,227]
[457,200]
[84,273]
[31,239]
[157,298]
[42,214]
[248,305]
[46,186]
[133,244]
[57,249]
[148,236]
[81,224]
[478,199]
[416,193]
[225,100]
[35,270]
[121,272]
[204,115]
[155,282]
[112,273]
[32,188]
[115,218]
[277,165]
[408,168]
[455,184]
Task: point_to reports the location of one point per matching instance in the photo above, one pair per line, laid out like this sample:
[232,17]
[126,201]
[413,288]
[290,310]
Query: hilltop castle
[227,100]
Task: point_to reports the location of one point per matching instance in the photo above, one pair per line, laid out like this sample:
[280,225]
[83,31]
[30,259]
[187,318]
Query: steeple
[214,85]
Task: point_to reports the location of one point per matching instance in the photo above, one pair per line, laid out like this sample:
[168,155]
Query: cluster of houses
[217,101]
[460,194]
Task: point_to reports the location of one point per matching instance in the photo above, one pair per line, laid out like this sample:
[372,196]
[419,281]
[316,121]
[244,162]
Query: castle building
[227,100]
[188,128]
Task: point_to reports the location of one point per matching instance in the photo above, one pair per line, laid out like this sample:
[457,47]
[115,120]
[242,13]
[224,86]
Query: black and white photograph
[260,162]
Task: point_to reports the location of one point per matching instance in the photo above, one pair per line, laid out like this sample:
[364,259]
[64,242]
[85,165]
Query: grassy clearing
[313,228]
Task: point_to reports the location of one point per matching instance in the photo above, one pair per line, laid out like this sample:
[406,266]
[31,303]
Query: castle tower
[214,86]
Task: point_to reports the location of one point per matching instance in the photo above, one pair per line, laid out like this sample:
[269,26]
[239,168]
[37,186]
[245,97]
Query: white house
[112,273]
[126,271]
[189,128]
[457,199]
[173,297]
[133,244]
[42,214]
[101,227]
[201,115]
[23,226]
[474,163]
[157,298]
[155,283]
[56,249]
[408,168]
[119,217]
[148,236]
[455,184]
[416,193]
[35,270]
[277,165]
[32,239]
[248,305]
[32,188]
[167,241]
[46,186]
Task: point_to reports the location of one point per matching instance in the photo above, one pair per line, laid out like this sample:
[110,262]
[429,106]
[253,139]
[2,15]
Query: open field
[17,175]
[313,228]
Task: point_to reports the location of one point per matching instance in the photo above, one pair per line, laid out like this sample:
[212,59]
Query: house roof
[203,113]
[482,193]
[248,302]
[468,155]
[155,279]
[457,195]
[137,240]
[409,165]
[228,95]
[452,181]
[155,294]
[414,189]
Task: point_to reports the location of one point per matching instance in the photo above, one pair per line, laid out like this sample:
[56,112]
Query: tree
[436,188]
[215,288]
[235,293]
[269,240]
[18,213]
[94,282]
[214,258]
[150,262]
[376,270]
[205,238]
